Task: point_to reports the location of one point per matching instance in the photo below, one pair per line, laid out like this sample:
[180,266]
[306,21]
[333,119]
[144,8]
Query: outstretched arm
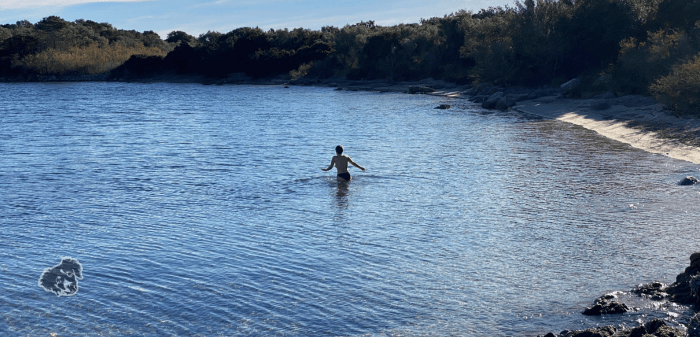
[356,164]
[330,166]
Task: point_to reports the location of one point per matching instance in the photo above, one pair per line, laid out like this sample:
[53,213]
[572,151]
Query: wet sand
[649,128]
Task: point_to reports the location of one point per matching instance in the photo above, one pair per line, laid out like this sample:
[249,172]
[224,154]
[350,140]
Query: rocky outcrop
[490,103]
[605,331]
[443,106]
[654,290]
[689,180]
[656,328]
[605,305]
[680,291]
[570,85]
[694,326]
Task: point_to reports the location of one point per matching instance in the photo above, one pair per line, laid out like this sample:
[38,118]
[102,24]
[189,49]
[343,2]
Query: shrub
[643,62]
[88,60]
[680,90]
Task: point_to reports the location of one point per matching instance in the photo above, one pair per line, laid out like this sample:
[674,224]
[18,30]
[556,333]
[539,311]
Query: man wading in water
[341,164]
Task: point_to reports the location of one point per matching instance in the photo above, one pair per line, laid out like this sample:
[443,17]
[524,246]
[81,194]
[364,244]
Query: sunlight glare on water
[202,210]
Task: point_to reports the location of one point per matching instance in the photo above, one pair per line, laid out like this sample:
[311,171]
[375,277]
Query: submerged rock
[443,106]
[605,305]
[689,180]
[654,290]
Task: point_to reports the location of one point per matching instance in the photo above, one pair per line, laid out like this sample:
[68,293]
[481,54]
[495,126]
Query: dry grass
[88,60]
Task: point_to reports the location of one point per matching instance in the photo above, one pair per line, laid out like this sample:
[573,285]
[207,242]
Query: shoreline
[635,120]
[648,128]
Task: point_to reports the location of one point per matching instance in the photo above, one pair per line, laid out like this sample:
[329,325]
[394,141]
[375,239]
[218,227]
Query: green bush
[641,63]
[680,90]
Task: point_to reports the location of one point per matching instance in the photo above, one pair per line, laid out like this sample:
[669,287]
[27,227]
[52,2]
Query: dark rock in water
[62,279]
[490,102]
[654,290]
[605,305]
[695,259]
[656,328]
[694,326]
[605,331]
[443,106]
[688,181]
[681,290]
[286,86]
[417,90]
[338,89]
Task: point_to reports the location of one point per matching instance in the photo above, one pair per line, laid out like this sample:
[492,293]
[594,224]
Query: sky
[199,16]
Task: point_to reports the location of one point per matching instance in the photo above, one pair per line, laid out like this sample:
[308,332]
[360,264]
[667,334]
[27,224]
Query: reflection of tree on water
[62,279]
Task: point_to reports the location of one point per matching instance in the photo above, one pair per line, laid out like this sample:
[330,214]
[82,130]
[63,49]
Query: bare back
[341,163]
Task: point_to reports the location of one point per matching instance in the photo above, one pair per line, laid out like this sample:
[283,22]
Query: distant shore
[634,120]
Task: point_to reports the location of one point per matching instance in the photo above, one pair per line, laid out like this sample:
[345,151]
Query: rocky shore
[685,290]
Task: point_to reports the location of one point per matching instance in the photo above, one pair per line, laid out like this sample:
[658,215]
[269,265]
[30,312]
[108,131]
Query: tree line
[626,46]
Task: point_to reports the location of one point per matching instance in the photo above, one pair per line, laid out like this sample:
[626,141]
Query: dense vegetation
[627,46]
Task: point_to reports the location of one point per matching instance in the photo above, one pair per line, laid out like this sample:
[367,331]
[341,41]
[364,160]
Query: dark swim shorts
[345,175]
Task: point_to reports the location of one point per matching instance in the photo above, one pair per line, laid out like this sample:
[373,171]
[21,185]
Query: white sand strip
[577,112]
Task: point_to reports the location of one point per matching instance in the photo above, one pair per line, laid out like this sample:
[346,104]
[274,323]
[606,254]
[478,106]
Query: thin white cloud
[208,4]
[33,4]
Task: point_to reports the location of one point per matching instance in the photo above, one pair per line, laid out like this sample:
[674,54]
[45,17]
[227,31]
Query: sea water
[203,211]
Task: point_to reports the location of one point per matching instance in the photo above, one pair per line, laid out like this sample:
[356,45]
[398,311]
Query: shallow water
[202,210]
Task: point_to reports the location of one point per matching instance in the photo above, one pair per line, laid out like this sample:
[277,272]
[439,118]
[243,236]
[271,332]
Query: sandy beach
[649,128]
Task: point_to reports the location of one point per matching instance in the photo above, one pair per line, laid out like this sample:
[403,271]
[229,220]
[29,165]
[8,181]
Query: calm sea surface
[202,211]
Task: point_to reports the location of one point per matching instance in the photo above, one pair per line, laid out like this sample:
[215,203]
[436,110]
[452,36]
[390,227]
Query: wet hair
[339,149]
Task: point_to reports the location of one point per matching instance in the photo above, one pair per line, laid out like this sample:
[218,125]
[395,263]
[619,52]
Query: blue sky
[198,16]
